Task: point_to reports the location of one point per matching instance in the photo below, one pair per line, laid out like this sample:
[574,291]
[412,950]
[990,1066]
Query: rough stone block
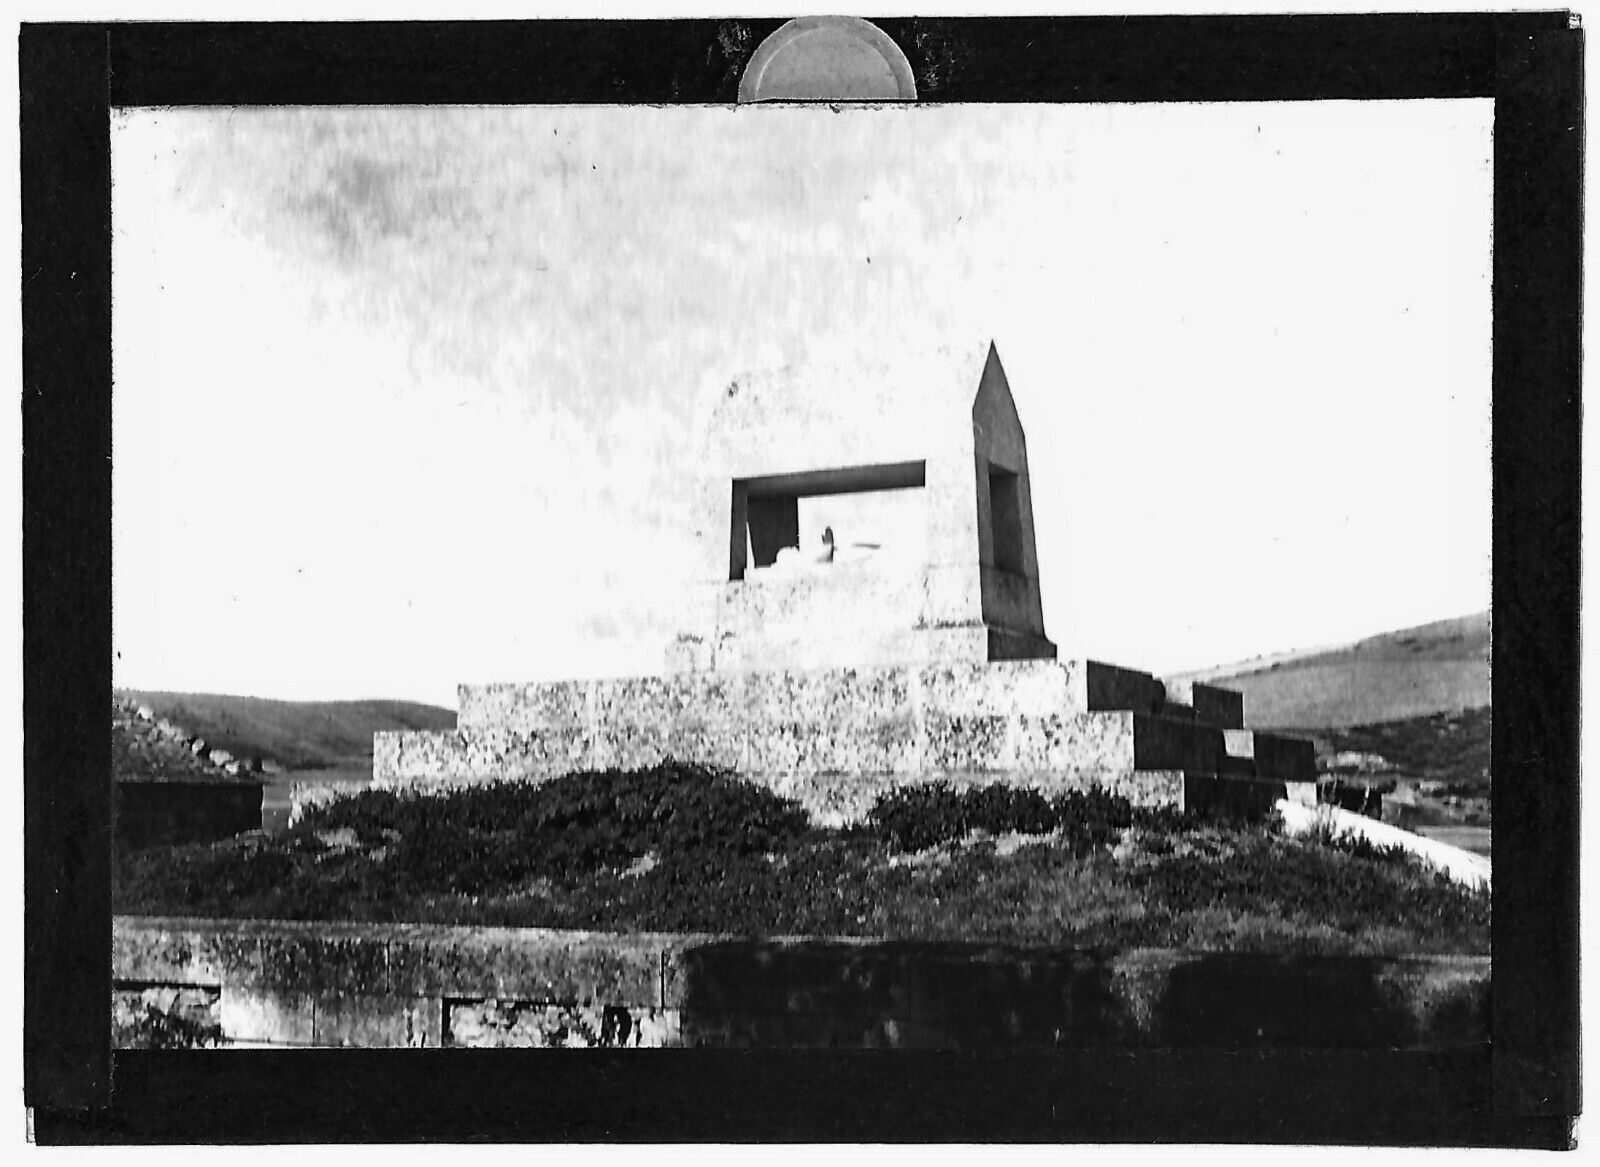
[811,748]
[317,957]
[524,707]
[711,745]
[628,746]
[252,1016]
[977,742]
[1239,794]
[565,1025]
[177,951]
[1097,741]
[1032,687]
[1286,757]
[1160,743]
[1237,766]
[377,1022]
[1147,788]
[1274,755]
[1006,644]
[834,696]
[718,699]
[1107,687]
[1215,706]
[1075,742]
[656,700]
[526,964]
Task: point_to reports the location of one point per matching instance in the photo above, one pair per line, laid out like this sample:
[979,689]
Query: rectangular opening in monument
[767,514]
[1005,519]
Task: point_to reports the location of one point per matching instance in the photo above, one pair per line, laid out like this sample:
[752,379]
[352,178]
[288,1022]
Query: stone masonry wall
[394,985]
[836,738]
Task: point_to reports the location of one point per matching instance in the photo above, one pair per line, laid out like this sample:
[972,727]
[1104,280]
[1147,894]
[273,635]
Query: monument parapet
[829,671]
[940,426]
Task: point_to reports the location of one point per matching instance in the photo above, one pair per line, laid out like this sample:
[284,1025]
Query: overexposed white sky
[402,395]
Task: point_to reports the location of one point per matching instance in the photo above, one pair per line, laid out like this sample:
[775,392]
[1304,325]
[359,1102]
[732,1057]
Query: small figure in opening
[808,557]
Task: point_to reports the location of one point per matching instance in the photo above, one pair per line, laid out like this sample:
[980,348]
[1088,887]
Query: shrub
[913,818]
[474,838]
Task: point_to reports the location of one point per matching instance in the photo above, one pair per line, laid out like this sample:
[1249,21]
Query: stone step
[1035,687]
[1237,767]
[1164,743]
[779,748]
[1227,792]
[1223,708]
[1274,755]
[1109,687]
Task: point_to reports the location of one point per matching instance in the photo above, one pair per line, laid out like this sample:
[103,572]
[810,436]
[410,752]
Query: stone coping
[128,926]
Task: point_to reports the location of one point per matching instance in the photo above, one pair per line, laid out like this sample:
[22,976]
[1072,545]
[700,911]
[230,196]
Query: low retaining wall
[153,812]
[333,984]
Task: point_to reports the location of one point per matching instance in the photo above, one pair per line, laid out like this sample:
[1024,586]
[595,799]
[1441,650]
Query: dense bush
[508,832]
[912,818]
[730,856]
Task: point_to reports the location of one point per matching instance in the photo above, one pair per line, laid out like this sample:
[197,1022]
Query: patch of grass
[1318,885]
[678,848]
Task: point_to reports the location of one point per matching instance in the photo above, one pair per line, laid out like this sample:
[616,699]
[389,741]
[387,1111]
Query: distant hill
[298,735]
[1415,672]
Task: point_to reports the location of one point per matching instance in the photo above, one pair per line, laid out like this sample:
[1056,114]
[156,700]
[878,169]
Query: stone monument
[830,676]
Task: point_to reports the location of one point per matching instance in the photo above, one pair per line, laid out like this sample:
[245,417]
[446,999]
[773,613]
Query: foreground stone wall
[331,984]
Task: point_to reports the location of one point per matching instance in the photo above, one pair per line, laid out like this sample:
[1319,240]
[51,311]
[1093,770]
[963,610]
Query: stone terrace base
[835,738]
[329,984]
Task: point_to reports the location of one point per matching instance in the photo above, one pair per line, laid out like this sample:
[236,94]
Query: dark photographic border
[1521,1090]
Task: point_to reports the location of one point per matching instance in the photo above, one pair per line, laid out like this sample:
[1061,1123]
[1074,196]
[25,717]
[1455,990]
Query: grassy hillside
[1415,672]
[298,735]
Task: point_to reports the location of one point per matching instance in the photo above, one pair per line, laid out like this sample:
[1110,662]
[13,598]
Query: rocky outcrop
[168,788]
[146,747]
